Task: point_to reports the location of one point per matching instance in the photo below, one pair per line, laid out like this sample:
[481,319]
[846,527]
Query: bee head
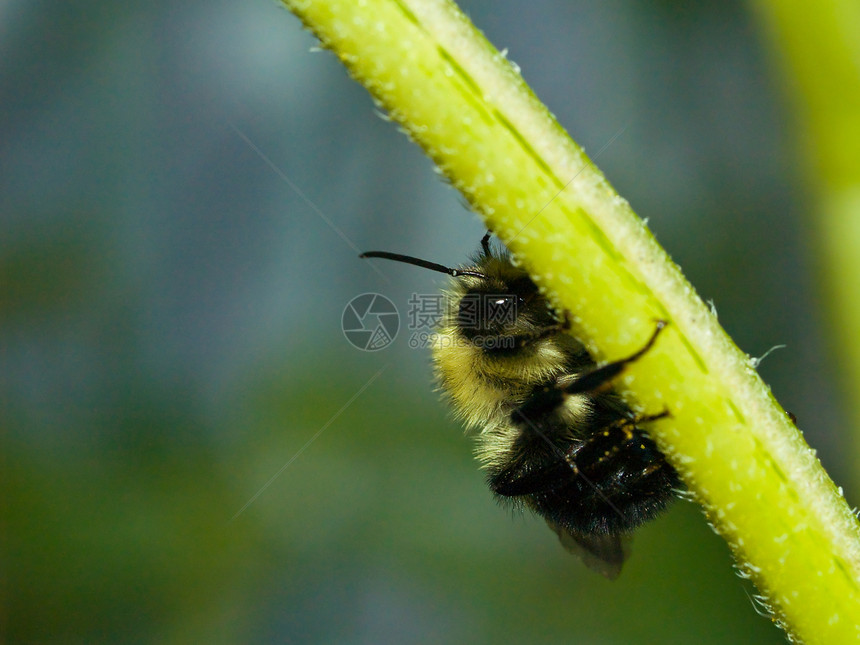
[504,302]
[494,298]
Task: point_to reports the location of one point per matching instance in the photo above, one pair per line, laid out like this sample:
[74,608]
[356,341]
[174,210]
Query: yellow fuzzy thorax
[481,387]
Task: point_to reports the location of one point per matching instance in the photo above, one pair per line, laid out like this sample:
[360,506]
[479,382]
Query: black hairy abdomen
[608,480]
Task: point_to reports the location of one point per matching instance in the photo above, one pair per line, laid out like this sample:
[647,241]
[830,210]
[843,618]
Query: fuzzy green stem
[467,106]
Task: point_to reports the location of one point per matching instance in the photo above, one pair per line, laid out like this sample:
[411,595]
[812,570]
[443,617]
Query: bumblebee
[550,432]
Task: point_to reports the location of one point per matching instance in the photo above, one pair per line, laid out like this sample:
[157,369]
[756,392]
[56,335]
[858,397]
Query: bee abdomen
[609,482]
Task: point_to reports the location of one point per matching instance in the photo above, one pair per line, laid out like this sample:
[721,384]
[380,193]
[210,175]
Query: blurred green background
[171,327]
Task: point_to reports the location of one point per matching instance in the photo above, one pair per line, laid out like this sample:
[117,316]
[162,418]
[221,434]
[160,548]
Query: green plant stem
[761,486]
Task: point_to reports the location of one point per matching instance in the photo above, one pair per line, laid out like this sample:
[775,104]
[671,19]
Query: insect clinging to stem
[550,431]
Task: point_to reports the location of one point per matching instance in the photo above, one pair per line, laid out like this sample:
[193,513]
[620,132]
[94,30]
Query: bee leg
[622,435]
[544,400]
[601,378]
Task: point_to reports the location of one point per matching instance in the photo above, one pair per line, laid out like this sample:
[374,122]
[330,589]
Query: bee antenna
[485,242]
[408,259]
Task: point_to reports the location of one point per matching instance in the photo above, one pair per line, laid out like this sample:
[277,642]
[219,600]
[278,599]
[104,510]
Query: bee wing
[600,552]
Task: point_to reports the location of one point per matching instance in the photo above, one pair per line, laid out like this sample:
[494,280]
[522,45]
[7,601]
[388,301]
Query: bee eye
[501,310]
[482,313]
